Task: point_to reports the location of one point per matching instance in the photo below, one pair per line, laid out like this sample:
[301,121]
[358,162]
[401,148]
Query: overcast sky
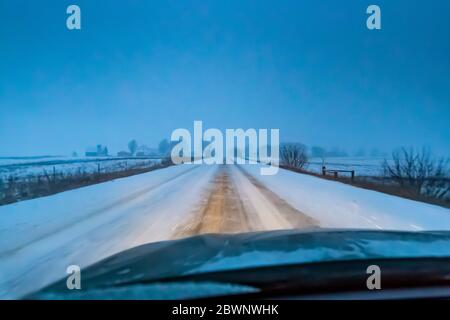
[139,69]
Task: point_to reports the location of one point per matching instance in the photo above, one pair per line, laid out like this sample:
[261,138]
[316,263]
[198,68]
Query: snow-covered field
[363,166]
[48,159]
[31,167]
[23,160]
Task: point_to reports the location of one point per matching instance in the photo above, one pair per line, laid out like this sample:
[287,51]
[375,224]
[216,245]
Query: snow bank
[339,205]
[39,238]
[27,221]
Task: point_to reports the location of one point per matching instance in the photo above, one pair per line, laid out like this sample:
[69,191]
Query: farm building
[144,151]
[99,151]
[123,154]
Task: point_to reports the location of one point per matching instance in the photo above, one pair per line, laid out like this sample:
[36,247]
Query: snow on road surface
[40,238]
[237,203]
[339,205]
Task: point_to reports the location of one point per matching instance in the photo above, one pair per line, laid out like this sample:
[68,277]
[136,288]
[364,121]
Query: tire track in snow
[272,206]
[238,203]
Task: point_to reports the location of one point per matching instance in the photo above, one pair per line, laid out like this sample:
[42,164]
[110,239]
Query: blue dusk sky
[140,69]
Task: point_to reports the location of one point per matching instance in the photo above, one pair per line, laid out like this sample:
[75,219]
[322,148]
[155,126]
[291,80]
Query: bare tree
[293,155]
[132,146]
[164,147]
[438,184]
[2,187]
[418,171]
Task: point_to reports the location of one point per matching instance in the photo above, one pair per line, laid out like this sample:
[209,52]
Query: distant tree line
[134,149]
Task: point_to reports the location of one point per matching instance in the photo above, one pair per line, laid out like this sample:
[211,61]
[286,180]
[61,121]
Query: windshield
[155,141]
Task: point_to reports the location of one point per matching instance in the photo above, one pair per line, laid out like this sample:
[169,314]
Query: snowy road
[39,238]
[237,202]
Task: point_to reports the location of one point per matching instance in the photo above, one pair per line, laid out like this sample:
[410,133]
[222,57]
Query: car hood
[218,252]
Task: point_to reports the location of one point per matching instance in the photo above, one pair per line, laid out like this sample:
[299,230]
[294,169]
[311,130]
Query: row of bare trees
[415,171]
[420,172]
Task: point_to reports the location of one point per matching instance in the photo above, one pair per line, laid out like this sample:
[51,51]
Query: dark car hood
[216,252]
